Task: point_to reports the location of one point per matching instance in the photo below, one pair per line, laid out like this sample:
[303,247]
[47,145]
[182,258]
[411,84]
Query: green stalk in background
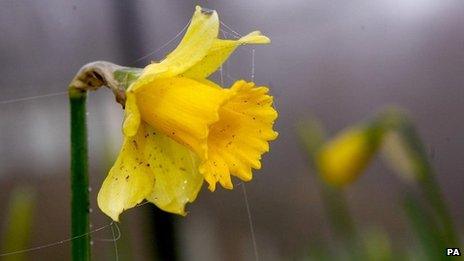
[416,161]
[430,186]
[79,176]
[432,192]
[336,209]
[425,229]
[18,223]
[378,246]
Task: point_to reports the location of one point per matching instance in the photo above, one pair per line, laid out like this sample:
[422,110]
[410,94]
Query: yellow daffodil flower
[181,128]
[341,160]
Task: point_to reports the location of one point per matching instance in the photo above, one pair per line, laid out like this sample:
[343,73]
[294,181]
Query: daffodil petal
[199,37]
[219,52]
[132,115]
[176,170]
[129,181]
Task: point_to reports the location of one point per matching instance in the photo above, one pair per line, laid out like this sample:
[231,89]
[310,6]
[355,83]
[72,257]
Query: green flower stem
[425,228]
[431,189]
[429,185]
[90,77]
[397,120]
[336,209]
[79,177]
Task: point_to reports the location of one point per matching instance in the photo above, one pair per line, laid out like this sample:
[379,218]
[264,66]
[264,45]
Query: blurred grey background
[338,60]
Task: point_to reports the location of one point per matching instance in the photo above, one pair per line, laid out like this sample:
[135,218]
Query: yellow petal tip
[255,37]
[212,187]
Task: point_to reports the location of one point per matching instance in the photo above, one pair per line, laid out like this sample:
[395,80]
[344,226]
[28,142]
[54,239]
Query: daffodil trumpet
[181,129]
